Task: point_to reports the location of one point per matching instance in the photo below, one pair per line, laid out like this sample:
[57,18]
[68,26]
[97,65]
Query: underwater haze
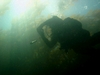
[19,20]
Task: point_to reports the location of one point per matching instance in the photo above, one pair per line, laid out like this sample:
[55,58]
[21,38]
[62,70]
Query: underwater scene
[27,48]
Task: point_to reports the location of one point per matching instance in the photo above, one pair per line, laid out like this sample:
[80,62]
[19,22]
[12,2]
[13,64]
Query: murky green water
[19,20]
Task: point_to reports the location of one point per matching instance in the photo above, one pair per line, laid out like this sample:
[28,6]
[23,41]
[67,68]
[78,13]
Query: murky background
[19,20]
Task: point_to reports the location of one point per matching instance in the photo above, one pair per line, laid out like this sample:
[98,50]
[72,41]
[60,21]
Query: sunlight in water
[21,6]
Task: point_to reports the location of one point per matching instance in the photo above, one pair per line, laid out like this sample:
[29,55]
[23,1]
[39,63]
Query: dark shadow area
[70,34]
